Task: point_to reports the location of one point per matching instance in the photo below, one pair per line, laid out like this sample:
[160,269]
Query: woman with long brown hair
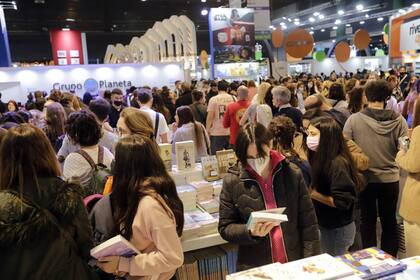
[188,129]
[147,212]
[44,230]
[135,122]
[55,119]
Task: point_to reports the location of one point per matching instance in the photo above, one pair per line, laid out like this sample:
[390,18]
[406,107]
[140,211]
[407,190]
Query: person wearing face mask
[335,183]
[404,78]
[265,180]
[117,106]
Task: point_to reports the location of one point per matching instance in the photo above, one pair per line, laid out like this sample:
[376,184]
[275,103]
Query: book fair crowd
[333,150]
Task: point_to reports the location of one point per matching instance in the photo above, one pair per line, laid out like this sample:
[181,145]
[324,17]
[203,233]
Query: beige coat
[155,236]
[410,161]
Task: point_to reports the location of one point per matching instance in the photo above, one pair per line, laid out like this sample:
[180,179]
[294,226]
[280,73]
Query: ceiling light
[284,27]
[204,1]
[322,30]
[311,32]
[284,18]
[204,12]
[316,14]
[321,16]
[335,27]
[401,11]
[312,28]
[143,0]
[289,20]
[282,23]
[359,7]
[367,16]
[70,19]
[296,19]
[415,5]
[333,40]
[340,12]
[348,25]
[338,21]
[297,22]
[380,18]
[65,29]
[362,22]
[311,19]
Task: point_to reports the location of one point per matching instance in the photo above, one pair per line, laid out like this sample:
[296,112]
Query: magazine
[185,155]
[372,263]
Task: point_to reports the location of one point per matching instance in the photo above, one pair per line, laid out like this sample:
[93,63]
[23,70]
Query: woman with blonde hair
[259,111]
[135,122]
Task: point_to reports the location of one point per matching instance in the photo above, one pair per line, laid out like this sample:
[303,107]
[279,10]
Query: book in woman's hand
[116,246]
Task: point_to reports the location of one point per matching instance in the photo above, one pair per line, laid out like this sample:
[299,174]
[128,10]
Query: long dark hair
[25,155]
[186,116]
[355,100]
[331,145]
[55,120]
[139,171]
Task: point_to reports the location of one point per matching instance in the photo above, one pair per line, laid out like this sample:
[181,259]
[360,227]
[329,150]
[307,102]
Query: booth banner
[17,82]
[67,47]
[232,34]
[262,18]
[410,36]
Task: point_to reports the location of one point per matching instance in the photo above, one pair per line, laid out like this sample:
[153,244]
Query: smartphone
[404,143]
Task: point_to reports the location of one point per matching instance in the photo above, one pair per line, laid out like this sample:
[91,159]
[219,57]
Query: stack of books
[217,188]
[209,166]
[204,190]
[166,155]
[199,223]
[322,267]
[270,216]
[188,196]
[211,206]
[372,263]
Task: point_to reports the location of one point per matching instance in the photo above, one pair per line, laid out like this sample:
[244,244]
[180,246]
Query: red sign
[66,47]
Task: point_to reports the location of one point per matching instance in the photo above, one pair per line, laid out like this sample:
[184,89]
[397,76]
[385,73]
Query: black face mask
[117,103]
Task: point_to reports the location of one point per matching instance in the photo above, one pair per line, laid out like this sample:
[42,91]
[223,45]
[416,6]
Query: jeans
[337,241]
[380,198]
[219,143]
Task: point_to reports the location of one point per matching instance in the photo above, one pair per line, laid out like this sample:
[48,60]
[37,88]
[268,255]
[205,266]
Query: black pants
[380,198]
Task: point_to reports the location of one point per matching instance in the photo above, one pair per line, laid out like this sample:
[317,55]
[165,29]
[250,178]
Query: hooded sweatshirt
[377,132]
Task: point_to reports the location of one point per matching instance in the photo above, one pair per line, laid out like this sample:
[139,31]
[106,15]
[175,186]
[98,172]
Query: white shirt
[163,126]
[77,168]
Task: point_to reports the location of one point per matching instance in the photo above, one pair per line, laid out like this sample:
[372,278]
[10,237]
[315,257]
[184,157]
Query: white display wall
[17,82]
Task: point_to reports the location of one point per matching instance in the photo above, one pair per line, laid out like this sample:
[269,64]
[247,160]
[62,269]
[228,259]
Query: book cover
[209,166]
[185,155]
[166,155]
[225,160]
[372,263]
[258,217]
[116,246]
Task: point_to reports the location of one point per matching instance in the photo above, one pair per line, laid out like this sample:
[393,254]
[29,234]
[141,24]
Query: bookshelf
[202,242]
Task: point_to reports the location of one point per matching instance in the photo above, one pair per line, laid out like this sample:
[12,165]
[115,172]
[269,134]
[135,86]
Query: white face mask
[259,164]
[312,142]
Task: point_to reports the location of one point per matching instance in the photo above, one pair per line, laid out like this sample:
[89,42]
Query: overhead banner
[67,47]
[262,18]
[17,82]
[232,34]
[410,36]
[5,59]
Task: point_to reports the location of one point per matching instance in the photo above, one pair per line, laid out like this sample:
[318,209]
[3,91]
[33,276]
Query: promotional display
[232,34]
[262,18]
[67,47]
[16,82]
[410,36]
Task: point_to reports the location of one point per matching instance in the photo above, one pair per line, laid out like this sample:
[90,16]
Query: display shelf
[202,242]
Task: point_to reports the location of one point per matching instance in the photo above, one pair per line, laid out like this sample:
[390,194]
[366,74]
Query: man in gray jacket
[376,131]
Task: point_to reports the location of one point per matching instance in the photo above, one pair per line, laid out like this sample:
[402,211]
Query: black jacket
[242,195]
[293,113]
[184,100]
[31,245]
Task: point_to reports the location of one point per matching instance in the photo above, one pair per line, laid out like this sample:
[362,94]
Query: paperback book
[188,196]
[116,246]
[272,216]
[225,160]
[372,263]
[204,190]
[185,155]
[166,155]
[209,166]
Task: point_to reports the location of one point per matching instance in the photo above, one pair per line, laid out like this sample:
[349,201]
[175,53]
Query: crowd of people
[330,149]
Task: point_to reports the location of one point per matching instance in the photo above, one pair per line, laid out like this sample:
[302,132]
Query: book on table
[225,160]
[270,216]
[372,263]
[185,155]
[209,166]
[166,155]
[321,267]
[116,246]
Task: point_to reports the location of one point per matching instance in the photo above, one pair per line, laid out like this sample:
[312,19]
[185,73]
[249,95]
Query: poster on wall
[61,53]
[410,36]
[74,53]
[262,18]
[232,34]
[66,44]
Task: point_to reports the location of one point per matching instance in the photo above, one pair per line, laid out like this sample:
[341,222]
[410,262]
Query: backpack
[98,175]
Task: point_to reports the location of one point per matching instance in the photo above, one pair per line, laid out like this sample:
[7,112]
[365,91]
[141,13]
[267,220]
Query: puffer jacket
[31,245]
[241,195]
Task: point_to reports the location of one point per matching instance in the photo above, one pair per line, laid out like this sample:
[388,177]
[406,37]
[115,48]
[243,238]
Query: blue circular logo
[91,85]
